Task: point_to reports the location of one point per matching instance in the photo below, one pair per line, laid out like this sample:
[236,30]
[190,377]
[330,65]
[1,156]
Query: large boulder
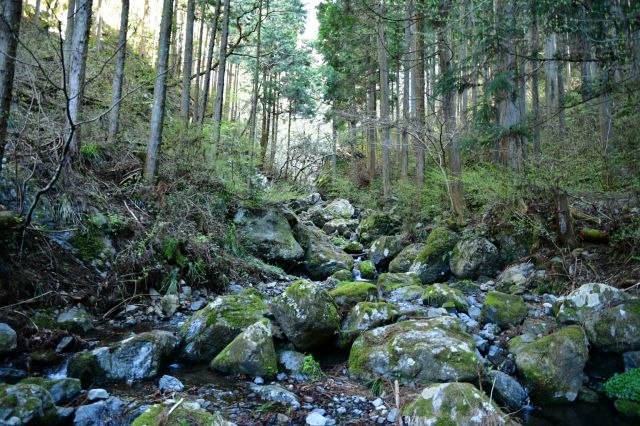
[432,264]
[342,227]
[251,352]
[322,258]
[365,316]
[210,329]
[506,390]
[474,257]
[584,302]
[383,250]
[8,338]
[552,366]
[516,278]
[110,412]
[267,234]
[389,282]
[348,294]
[615,329]
[23,404]
[76,320]
[415,351]
[505,310]
[443,296]
[136,358]
[453,404]
[183,414]
[403,261]
[376,225]
[340,209]
[62,390]
[307,315]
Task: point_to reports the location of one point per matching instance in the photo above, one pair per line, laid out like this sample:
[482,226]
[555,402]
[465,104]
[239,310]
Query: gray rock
[26,404]
[582,303]
[403,261]
[365,316]
[276,393]
[615,329]
[291,361]
[377,224]
[507,390]
[631,360]
[342,227]
[251,353]
[196,305]
[76,320]
[474,257]
[307,315]
[432,264]
[8,338]
[11,375]
[415,351]
[111,412]
[136,358]
[340,208]
[97,394]
[170,383]
[322,258]
[62,390]
[315,419]
[210,329]
[453,403]
[383,250]
[519,276]
[267,234]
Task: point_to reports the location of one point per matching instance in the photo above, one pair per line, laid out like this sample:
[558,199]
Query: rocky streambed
[437,331]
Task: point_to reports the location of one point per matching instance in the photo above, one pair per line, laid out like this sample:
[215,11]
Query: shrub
[624,385]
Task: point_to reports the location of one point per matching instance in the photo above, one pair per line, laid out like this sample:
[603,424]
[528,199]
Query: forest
[319,212]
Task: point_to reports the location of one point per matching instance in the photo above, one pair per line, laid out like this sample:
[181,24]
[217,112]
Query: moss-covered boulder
[342,275]
[403,261]
[76,320]
[376,225]
[624,388]
[251,352]
[322,258]
[383,250]
[516,278]
[8,338]
[340,209]
[415,351]
[214,327]
[474,257]
[505,310]
[432,264]
[615,329]
[582,303]
[390,281]
[348,294]
[28,404]
[365,316]
[353,247]
[552,366]
[136,358]
[182,415]
[266,234]
[307,315]
[342,227]
[367,269]
[443,296]
[627,408]
[450,404]
[62,390]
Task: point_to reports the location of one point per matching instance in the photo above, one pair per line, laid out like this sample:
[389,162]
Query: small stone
[281,377]
[258,381]
[282,418]
[474,312]
[170,383]
[393,415]
[65,342]
[377,402]
[316,419]
[307,398]
[8,338]
[341,410]
[97,394]
[197,305]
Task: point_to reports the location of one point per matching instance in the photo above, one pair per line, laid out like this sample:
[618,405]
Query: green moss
[342,275]
[353,247]
[44,319]
[440,294]
[367,269]
[439,243]
[311,368]
[388,282]
[624,386]
[628,408]
[182,416]
[85,366]
[239,310]
[354,290]
[503,309]
[89,243]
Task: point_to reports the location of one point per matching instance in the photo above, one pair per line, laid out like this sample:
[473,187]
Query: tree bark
[419,96]
[222,65]
[118,78]
[99,28]
[11,14]
[68,35]
[159,93]
[535,92]
[384,99]
[256,80]
[185,103]
[566,234]
[207,76]
[371,128]
[36,16]
[201,40]
[406,90]
[77,69]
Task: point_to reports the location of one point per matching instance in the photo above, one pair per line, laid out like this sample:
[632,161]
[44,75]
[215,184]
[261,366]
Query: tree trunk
[551,73]
[142,47]
[201,40]
[185,103]
[419,96]
[334,148]
[384,99]
[222,65]
[406,90]
[371,127]
[562,129]
[566,234]
[11,13]
[288,153]
[36,16]
[207,76]
[68,35]
[535,92]
[159,93]
[78,66]
[256,80]
[118,78]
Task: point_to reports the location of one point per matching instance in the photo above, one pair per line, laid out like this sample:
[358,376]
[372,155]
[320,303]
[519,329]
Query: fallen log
[593,235]
[578,215]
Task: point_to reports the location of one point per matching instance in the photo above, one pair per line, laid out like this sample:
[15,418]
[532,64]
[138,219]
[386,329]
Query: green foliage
[89,243]
[624,385]
[377,387]
[91,152]
[311,368]
[109,222]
